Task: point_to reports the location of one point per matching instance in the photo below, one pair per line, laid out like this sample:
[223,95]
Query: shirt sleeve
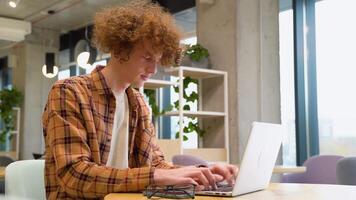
[158,160]
[67,138]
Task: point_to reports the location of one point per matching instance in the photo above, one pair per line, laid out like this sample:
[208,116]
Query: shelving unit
[156,84]
[14,151]
[213,154]
[199,114]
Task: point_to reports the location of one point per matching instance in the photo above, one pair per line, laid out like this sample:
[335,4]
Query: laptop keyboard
[222,188]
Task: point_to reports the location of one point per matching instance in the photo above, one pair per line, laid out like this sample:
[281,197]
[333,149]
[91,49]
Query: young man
[99,137]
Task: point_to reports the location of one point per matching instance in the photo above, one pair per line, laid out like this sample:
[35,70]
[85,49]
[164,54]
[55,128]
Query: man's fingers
[223,171]
[187,181]
[218,178]
[200,178]
[233,169]
[209,175]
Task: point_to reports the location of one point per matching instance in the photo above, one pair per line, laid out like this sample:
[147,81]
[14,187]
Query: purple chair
[188,160]
[320,170]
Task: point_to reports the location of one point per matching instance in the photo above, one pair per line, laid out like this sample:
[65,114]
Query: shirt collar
[103,88]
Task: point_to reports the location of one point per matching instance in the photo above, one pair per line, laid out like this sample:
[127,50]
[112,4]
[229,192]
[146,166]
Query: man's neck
[114,77]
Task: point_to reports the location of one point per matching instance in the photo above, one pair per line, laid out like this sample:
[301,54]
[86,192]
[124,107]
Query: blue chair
[188,160]
[346,171]
[320,170]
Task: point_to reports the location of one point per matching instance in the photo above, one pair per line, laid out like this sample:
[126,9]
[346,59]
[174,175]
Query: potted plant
[9,98]
[196,56]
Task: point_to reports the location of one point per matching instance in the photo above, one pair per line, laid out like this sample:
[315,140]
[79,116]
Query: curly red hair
[118,29]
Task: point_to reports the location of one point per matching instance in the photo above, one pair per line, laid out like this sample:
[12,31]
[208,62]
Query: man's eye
[147,57]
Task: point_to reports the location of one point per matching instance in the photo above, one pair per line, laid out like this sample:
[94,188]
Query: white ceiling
[71,14]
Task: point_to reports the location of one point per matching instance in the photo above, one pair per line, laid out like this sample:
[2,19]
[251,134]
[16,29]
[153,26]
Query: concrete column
[28,78]
[242,38]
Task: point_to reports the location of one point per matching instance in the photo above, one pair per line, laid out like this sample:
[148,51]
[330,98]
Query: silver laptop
[257,163]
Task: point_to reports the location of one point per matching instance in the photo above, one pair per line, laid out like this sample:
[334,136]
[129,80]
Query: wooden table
[2,172]
[280,191]
[276,170]
[280,169]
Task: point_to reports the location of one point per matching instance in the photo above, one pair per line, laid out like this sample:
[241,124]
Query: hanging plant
[192,126]
[151,95]
[9,98]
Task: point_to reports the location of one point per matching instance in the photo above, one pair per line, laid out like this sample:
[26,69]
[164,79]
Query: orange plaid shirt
[77,126]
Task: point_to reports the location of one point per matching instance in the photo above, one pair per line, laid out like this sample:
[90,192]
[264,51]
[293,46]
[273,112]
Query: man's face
[142,64]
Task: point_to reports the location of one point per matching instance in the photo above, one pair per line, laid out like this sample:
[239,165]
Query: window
[63,74]
[74,70]
[286,54]
[324,46]
[100,62]
[336,72]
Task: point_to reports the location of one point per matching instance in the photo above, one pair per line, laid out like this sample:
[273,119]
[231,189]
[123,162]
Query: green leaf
[186,107]
[176,104]
[185,138]
[191,126]
[177,135]
[196,52]
[186,130]
[176,89]
[194,96]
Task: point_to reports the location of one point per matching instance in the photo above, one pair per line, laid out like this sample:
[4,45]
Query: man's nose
[152,68]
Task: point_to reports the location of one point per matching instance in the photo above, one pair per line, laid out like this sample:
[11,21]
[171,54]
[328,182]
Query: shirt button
[112,111]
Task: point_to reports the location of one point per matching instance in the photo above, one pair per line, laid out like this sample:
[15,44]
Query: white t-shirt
[118,155]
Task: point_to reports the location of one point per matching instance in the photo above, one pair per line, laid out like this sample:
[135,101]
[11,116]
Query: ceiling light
[83,59]
[49,70]
[49,75]
[14,3]
[85,53]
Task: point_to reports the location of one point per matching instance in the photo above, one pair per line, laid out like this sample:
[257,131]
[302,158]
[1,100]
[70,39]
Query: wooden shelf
[195,73]
[169,147]
[200,114]
[155,84]
[280,169]
[208,154]
[12,154]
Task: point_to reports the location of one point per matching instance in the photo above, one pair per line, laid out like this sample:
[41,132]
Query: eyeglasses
[173,192]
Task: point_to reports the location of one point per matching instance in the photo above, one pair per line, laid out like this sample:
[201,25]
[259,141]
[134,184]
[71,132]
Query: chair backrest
[320,170]
[5,160]
[187,160]
[25,180]
[346,171]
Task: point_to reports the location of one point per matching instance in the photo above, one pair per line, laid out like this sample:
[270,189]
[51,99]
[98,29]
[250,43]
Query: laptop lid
[259,158]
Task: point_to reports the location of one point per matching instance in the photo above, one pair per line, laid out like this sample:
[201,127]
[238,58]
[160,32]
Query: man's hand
[201,177]
[227,171]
